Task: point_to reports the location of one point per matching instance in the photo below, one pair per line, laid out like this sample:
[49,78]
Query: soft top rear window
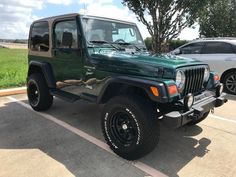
[39,38]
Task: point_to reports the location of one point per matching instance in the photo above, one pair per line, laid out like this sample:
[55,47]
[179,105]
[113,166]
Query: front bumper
[203,103]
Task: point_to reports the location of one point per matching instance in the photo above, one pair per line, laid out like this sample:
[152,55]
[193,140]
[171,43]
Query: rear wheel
[38,92]
[130,126]
[229,82]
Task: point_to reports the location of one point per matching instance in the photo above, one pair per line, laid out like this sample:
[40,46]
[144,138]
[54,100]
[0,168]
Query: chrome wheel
[230,83]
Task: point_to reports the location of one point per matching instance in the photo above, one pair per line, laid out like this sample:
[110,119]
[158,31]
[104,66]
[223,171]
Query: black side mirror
[67,39]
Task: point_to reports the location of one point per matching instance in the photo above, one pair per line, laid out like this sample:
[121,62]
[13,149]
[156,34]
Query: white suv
[219,53]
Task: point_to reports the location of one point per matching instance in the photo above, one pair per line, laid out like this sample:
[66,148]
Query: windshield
[111,31]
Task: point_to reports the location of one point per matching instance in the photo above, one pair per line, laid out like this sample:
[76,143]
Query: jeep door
[67,54]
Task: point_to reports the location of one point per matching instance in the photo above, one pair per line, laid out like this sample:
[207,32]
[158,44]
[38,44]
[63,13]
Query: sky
[17,15]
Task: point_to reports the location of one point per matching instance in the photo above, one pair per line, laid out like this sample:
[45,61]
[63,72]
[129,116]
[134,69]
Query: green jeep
[105,61]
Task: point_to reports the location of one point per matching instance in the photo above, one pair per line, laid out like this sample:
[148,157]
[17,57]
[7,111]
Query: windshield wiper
[98,42]
[104,42]
[128,43]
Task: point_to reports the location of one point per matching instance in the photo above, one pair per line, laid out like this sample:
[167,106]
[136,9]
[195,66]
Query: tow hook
[195,116]
[212,110]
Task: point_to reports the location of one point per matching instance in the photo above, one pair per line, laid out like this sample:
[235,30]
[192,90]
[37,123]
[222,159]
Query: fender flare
[46,70]
[139,83]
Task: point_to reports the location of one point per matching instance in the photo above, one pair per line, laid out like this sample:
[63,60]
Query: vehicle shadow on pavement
[175,150]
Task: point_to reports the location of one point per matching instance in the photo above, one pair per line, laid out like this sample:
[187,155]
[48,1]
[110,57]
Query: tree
[172,44]
[168,17]
[218,19]
[148,43]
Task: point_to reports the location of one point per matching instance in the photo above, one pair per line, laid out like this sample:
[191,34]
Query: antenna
[85,9]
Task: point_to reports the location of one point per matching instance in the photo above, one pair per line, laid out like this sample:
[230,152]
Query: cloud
[89,2]
[17,15]
[190,33]
[22,3]
[60,2]
[105,8]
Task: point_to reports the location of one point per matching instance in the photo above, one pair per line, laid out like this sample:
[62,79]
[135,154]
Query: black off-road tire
[38,92]
[194,122]
[230,78]
[142,122]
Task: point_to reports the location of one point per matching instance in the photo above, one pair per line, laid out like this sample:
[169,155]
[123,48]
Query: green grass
[13,67]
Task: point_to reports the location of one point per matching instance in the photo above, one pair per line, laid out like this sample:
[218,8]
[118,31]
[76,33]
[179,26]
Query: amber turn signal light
[216,77]
[154,91]
[172,89]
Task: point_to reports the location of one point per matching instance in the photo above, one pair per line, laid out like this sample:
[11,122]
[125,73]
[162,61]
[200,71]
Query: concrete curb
[13,91]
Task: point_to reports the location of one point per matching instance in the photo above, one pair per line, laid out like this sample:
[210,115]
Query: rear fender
[45,69]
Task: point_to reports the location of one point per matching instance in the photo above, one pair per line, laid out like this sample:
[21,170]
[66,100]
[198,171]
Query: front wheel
[38,92]
[130,126]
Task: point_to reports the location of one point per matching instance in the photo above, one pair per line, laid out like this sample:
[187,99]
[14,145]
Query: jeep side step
[72,97]
[88,97]
[64,95]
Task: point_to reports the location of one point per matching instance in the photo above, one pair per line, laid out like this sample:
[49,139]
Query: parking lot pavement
[48,144]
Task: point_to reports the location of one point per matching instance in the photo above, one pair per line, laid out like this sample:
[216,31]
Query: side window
[39,40]
[194,48]
[217,47]
[65,34]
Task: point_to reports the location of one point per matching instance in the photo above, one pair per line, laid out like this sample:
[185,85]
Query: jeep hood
[141,64]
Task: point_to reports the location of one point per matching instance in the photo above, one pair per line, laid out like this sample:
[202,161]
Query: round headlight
[206,73]
[180,79]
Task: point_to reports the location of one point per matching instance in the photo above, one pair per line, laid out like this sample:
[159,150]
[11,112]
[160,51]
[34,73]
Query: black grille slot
[194,80]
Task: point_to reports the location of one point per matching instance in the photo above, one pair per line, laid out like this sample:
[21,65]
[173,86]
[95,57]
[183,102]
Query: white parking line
[221,118]
[144,167]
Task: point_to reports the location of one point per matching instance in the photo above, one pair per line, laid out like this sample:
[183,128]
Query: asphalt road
[67,141]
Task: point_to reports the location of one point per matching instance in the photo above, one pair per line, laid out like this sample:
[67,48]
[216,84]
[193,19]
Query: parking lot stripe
[143,167]
[221,118]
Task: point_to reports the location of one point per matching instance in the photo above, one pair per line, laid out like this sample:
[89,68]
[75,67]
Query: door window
[217,48]
[65,34]
[194,48]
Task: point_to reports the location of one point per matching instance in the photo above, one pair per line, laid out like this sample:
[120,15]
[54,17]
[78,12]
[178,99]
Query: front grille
[194,80]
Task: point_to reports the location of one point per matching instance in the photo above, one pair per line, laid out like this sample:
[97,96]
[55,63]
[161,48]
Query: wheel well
[226,72]
[34,69]
[115,89]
